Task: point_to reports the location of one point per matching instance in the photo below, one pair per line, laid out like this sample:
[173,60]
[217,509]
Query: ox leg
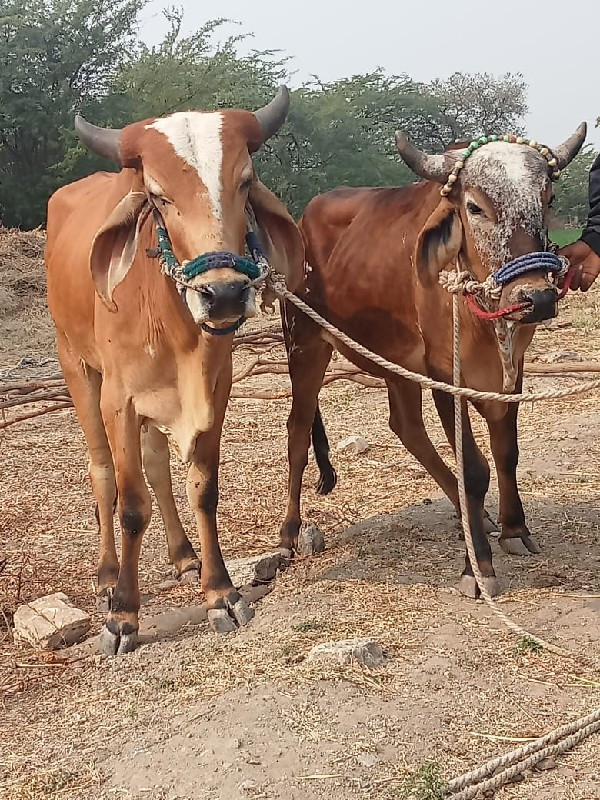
[226,608]
[307,365]
[477,481]
[134,507]
[84,386]
[155,458]
[515,537]
[406,421]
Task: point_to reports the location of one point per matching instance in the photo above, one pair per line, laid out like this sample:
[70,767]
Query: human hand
[585,265]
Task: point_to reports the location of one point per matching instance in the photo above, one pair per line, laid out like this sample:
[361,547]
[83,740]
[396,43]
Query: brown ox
[373,263]
[141,359]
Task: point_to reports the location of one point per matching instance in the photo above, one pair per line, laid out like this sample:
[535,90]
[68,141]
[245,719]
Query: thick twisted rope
[417,377]
[514,763]
[462,497]
[471,784]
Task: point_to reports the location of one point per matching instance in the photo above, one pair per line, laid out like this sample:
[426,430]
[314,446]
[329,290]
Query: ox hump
[196,138]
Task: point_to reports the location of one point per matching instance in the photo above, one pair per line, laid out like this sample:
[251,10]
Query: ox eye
[162,201]
[474,209]
[245,185]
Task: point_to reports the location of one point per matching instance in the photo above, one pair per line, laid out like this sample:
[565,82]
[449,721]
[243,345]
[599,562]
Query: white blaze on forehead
[513,176]
[196,138]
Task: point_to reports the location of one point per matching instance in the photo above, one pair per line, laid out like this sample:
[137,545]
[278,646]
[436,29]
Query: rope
[417,377]
[471,784]
[462,497]
[468,785]
[491,315]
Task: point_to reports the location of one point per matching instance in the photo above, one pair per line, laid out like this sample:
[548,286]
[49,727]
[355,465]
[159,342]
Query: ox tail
[320,443]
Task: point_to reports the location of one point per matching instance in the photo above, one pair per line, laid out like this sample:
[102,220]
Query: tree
[571,201]
[62,56]
[471,105]
[56,56]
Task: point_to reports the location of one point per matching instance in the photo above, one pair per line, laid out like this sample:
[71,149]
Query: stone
[363,651]
[354,444]
[546,764]
[50,622]
[310,540]
[248,786]
[556,356]
[368,760]
[255,569]
[168,584]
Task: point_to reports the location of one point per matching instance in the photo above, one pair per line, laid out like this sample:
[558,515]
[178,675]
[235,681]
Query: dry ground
[191,715]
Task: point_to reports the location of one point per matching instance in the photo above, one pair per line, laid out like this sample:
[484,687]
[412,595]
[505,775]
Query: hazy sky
[555,46]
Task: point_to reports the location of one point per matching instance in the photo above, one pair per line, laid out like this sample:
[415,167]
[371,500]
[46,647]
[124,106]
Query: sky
[557,52]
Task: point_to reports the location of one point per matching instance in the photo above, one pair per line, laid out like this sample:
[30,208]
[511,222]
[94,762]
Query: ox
[374,257]
[146,356]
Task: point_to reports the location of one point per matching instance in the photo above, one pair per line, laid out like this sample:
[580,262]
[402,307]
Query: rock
[50,622]
[170,583]
[368,760]
[310,540]
[255,569]
[248,787]
[560,355]
[354,444]
[546,764]
[363,651]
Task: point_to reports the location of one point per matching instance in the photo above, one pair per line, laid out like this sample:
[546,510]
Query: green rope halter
[205,262]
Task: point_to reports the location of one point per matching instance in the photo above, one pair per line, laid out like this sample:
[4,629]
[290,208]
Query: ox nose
[225,300]
[543,305]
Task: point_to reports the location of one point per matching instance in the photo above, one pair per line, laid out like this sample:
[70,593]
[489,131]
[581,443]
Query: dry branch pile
[53,395]
[27,329]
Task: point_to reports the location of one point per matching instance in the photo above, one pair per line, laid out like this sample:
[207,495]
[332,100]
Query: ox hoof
[469,588]
[489,526]
[285,552]
[310,540]
[116,644]
[104,600]
[191,574]
[229,619]
[523,545]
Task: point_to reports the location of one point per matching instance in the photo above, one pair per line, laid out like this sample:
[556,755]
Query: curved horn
[566,152]
[432,168]
[102,141]
[272,116]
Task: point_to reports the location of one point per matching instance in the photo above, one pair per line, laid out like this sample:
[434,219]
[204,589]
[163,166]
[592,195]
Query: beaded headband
[483,140]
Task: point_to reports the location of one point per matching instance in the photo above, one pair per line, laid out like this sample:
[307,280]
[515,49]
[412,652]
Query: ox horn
[272,116]
[566,152]
[431,168]
[104,142]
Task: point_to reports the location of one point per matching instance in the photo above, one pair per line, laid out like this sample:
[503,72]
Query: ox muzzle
[225,301]
[543,304]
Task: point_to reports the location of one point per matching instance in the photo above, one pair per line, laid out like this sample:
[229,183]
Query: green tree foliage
[55,56]
[571,201]
[62,56]
[470,105]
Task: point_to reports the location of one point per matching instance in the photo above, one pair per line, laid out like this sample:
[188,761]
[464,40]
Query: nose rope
[462,282]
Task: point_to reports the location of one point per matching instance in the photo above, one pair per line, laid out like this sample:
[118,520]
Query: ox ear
[115,245]
[278,234]
[438,243]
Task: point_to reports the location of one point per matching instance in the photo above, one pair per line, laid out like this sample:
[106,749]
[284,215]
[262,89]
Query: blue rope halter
[546,261]
[255,269]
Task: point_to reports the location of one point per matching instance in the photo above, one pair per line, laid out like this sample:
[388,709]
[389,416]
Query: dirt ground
[194,715]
